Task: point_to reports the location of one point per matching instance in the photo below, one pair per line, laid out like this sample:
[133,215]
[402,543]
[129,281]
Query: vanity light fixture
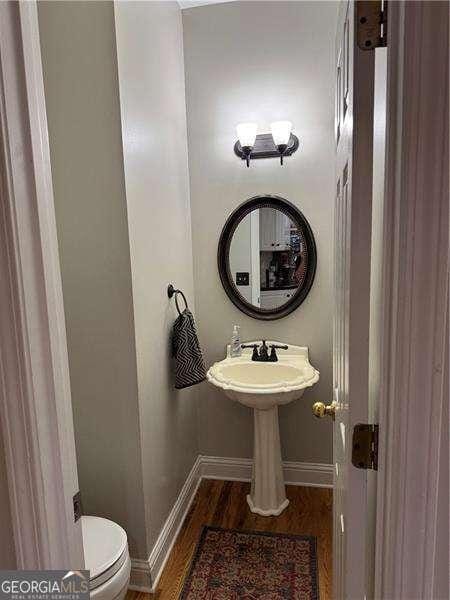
[246,133]
[281,134]
[279,143]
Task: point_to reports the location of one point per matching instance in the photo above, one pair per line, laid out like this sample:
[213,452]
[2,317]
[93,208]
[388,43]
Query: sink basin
[264,386]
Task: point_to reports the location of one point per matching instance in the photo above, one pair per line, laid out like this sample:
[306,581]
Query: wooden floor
[223,504]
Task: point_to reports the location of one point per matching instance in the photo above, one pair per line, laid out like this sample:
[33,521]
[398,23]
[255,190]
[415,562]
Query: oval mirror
[267,257]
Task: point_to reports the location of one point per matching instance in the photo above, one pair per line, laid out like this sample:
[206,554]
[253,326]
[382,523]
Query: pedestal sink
[264,386]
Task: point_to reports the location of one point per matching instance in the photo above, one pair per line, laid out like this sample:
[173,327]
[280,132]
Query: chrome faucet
[261,353]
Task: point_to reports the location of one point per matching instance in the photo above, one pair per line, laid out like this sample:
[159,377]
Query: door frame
[35,400]
[416,239]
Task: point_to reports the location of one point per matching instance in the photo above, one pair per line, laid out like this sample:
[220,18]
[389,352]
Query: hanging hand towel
[189,365]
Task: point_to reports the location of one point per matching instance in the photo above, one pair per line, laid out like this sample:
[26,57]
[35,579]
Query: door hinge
[365,446]
[372,23]
[77,506]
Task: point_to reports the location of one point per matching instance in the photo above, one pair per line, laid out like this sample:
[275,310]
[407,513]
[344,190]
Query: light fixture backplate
[265,148]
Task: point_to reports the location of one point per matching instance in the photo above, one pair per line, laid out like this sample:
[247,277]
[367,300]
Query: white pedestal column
[268,494]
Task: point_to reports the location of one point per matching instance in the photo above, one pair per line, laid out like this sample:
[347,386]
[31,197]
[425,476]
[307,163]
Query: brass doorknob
[320,410]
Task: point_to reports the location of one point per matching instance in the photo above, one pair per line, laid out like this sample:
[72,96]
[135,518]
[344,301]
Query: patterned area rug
[250,565]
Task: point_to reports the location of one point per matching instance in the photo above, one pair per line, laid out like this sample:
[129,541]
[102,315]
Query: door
[354,500]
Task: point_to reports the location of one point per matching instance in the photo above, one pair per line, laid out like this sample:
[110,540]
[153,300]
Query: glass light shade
[246,133]
[281,132]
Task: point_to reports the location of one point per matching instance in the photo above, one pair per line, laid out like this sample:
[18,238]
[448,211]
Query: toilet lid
[104,542]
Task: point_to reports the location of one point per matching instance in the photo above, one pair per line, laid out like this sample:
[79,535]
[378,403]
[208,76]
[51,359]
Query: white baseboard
[145,574]
[140,578]
[228,469]
[308,474]
[240,469]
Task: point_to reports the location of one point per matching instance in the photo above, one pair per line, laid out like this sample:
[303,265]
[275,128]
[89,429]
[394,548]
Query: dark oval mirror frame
[223,255]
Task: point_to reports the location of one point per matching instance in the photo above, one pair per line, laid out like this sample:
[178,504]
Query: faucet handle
[255,355]
[273,355]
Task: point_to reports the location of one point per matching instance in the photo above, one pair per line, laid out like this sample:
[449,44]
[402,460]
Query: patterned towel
[189,365]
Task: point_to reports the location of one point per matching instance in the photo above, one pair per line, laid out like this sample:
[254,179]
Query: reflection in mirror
[268,258]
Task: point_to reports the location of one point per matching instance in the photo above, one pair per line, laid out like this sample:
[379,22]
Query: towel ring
[171,291]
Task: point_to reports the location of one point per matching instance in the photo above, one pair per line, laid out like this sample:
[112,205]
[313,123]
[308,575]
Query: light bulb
[246,133]
[281,132]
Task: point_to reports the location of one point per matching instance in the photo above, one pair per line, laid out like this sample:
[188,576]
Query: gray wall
[82,97]
[124,225]
[136,437]
[151,79]
[261,61]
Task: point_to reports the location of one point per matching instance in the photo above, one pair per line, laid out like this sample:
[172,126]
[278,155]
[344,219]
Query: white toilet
[107,558]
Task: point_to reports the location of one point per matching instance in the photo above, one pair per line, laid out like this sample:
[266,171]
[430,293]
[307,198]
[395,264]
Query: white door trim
[416,240]
[35,401]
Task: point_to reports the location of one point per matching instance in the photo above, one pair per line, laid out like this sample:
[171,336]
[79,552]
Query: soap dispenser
[235,346]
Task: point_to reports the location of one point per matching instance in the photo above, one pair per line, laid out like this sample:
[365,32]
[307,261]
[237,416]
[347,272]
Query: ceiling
[191,3]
